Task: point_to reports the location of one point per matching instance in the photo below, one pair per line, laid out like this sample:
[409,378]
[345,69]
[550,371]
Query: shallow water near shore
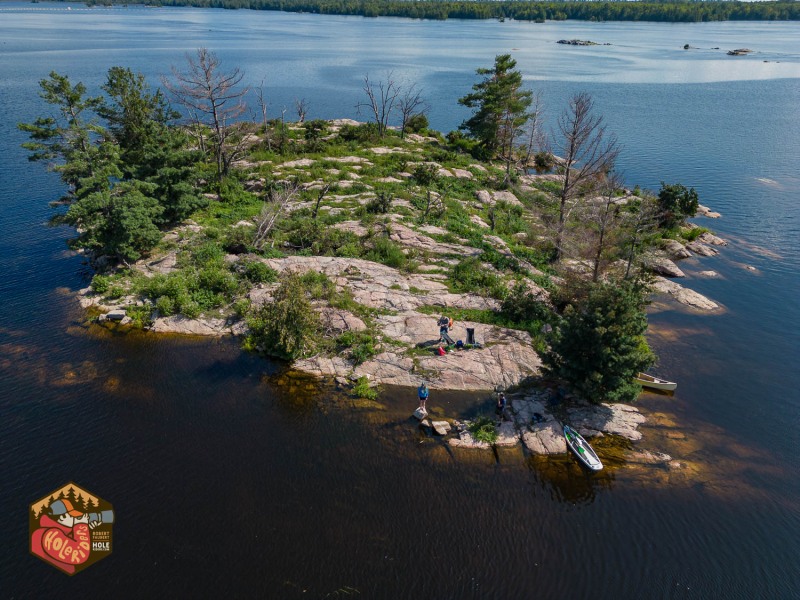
[232,477]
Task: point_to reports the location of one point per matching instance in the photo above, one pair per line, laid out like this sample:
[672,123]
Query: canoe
[646,380]
[582,449]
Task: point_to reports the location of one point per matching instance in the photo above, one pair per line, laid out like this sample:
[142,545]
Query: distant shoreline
[538,12]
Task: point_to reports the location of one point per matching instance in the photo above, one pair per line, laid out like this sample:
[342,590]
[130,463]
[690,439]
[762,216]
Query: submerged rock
[440,427]
[704,211]
[684,295]
[701,249]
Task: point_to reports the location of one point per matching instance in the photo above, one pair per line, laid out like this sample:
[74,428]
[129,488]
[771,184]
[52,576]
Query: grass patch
[483,430]
[362,389]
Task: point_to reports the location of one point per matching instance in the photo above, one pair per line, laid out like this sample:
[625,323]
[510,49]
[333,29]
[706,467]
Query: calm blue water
[226,482]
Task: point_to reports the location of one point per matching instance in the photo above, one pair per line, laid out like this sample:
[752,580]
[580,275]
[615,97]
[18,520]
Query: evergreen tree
[118,221]
[501,107]
[150,149]
[68,137]
[135,116]
[677,203]
[599,346]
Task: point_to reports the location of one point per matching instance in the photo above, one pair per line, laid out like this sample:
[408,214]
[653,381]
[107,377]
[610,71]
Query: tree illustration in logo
[70,528]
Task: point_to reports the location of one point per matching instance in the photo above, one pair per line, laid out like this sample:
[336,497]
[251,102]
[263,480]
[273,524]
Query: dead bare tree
[642,227]
[587,151]
[323,190]
[536,137]
[410,103]
[301,106]
[262,104]
[605,218]
[216,97]
[381,98]
[270,212]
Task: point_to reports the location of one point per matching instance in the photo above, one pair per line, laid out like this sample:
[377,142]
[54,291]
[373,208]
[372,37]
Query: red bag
[441,351]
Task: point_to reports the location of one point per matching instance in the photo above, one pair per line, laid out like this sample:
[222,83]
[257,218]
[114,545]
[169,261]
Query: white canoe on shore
[649,381]
[582,449]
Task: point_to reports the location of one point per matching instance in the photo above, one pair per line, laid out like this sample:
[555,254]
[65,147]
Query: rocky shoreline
[402,306]
[506,359]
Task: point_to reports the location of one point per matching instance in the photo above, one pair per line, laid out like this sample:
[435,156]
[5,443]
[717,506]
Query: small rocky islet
[403,305]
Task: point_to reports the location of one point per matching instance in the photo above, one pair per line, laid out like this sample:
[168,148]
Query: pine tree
[599,346]
[501,107]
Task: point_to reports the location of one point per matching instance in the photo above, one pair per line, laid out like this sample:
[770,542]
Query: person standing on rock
[422,392]
[500,407]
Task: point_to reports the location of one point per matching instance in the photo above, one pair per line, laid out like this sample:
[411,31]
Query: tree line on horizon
[669,11]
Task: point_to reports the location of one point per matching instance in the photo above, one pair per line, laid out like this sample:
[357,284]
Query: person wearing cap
[63,537]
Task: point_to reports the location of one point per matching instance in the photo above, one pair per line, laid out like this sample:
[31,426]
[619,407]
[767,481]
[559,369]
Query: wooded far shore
[669,12]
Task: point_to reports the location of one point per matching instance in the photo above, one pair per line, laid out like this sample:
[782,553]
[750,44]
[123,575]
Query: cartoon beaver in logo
[63,536]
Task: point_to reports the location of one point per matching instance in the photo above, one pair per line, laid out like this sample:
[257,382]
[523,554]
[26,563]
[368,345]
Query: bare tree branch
[381,98]
[536,137]
[271,211]
[587,152]
[301,106]
[409,103]
[262,103]
[204,90]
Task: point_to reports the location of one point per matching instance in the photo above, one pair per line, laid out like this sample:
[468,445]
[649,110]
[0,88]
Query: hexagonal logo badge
[70,528]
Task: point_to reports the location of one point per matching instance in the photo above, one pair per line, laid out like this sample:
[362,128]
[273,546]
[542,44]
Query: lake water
[230,479]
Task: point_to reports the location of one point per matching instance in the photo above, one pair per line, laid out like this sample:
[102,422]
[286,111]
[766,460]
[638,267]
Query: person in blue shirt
[422,392]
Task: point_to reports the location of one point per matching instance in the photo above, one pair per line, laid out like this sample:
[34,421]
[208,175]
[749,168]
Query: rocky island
[401,303]
[341,245]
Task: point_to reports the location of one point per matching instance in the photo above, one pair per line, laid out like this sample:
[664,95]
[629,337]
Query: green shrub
[217,280]
[483,429]
[470,275]
[209,253]
[241,307]
[381,204]
[500,260]
[288,326]
[522,306]
[314,132]
[506,219]
[692,234]
[461,143]
[368,132]
[165,306]
[258,272]
[362,389]
[544,161]
[191,309]
[115,290]
[317,285]
[238,240]
[351,250]
[100,284]
[363,346]
[385,251]
[140,316]
[417,123]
